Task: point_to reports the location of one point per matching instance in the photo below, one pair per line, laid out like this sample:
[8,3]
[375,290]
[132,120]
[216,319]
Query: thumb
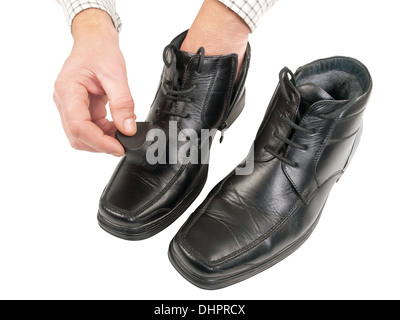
[121,105]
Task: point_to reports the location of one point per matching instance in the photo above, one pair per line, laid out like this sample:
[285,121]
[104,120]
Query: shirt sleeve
[250,11]
[73,7]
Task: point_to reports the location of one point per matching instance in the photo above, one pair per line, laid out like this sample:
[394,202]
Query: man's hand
[94,74]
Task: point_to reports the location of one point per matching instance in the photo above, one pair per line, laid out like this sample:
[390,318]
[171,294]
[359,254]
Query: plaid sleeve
[73,7]
[250,11]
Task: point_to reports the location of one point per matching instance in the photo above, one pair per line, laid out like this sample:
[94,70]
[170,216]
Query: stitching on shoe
[111,208]
[284,167]
[114,177]
[319,153]
[182,237]
[230,87]
[338,171]
[264,124]
[251,245]
[208,264]
[352,116]
[166,188]
[306,197]
[207,98]
[343,138]
[278,95]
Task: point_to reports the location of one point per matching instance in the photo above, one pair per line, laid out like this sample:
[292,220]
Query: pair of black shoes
[267,206]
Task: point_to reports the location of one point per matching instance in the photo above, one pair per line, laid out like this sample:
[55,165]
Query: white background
[51,246]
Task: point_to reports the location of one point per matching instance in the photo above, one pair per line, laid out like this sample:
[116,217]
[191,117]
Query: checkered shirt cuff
[73,7]
[250,11]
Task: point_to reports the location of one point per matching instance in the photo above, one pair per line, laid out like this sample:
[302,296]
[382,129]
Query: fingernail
[129,125]
[116,155]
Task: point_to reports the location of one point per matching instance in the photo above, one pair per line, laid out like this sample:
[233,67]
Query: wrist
[92,21]
[218,29]
[220,16]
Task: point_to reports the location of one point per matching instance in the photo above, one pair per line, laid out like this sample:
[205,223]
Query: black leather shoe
[156,181]
[249,223]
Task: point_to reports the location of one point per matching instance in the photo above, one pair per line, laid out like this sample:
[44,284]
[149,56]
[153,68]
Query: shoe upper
[195,92]
[305,142]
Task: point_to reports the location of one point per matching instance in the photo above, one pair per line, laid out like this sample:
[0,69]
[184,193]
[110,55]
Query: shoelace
[293,125]
[172,87]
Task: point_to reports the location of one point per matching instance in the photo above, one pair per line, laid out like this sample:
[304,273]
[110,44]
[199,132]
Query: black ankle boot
[306,141]
[166,162]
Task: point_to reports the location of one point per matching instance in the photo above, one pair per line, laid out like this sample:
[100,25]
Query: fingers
[73,104]
[121,103]
[90,137]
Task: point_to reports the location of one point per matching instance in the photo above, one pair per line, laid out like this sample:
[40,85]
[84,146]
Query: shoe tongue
[310,93]
[182,60]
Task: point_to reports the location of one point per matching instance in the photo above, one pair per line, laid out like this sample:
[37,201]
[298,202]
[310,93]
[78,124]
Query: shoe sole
[156,226]
[225,282]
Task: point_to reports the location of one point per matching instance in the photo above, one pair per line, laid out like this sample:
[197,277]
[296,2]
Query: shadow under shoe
[306,141]
[152,184]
